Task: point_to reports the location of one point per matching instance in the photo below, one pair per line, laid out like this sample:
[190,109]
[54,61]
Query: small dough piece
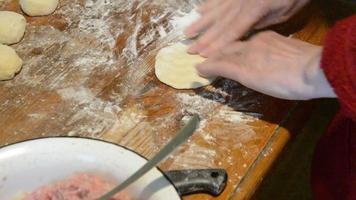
[39,7]
[176,68]
[10,62]
[12,27]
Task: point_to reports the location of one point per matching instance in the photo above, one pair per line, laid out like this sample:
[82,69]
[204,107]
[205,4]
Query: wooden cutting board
[89,71]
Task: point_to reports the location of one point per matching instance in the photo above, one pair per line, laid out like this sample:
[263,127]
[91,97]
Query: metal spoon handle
[180,138]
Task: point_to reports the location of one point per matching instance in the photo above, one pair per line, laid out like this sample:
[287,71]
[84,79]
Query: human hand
[274,65]
[227,20]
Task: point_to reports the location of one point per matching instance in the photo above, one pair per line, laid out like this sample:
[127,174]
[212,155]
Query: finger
[198,26]
[271,19]
[205,21]
[227,67]
[208,6]
[239,29]
[234,48]
[279,16]
[214,31]
[214,69]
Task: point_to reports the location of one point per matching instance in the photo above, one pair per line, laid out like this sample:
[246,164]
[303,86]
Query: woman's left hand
[224,21]
[274,65]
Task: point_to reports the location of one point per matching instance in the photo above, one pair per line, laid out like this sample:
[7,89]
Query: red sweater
[334,163]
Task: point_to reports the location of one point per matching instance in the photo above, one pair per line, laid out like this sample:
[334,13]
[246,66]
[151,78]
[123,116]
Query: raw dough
[12,27]
[176,68]
[38,7]
[10,62]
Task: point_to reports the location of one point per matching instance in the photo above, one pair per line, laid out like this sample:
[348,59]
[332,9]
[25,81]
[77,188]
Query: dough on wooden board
[38,7]
[176,68]
[12,27]
[10,62]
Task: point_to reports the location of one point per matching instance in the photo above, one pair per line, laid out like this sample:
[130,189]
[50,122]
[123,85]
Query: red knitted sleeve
[339,63]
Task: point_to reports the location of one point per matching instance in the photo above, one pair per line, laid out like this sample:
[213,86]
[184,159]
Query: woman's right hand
[272,64]
[224,21]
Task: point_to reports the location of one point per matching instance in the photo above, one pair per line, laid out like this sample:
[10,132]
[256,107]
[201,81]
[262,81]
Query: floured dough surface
[176,68]
[12,27]
[39,7]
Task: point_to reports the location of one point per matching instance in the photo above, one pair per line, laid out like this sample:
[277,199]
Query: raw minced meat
[81,186]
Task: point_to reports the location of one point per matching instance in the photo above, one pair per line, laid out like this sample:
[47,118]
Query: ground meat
[80,186]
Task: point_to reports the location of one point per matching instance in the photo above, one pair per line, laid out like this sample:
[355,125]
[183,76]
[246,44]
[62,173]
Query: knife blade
[179,139]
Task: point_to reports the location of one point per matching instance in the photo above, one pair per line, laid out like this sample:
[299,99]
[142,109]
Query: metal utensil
[180,138]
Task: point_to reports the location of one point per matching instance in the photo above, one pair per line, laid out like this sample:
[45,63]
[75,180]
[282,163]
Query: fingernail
[205,53]
[193,49]
[202,54]
[187,33]
[200,9]
[199,67]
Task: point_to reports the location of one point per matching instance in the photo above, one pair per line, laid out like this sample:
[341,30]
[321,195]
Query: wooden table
[88,71]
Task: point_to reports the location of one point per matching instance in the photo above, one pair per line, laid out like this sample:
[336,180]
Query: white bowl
[28,165]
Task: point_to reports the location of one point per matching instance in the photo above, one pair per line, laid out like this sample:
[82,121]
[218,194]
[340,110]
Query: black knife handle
[210,181]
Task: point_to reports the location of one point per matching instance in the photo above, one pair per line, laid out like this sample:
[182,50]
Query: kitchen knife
[179,139]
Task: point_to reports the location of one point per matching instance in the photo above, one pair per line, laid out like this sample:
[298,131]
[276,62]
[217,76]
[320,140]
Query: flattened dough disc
[176,68]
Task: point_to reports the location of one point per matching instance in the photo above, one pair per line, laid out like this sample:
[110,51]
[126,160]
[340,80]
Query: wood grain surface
[89,71]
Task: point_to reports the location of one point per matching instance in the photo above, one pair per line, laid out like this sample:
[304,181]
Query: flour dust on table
[89,71]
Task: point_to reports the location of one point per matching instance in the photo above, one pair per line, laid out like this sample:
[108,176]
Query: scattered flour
[230,133]
[195,156]
[101,114]
[182,20]
[234,116]
[88,47]
[130,51]
[80,95]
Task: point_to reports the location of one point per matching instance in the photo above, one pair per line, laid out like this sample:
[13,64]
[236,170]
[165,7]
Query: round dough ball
[10,62]
[38,7]
[12,27]
[176,68]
